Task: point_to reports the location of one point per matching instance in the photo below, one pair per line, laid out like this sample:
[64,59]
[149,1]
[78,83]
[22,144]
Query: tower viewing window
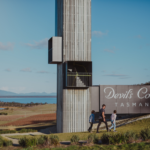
[78,74]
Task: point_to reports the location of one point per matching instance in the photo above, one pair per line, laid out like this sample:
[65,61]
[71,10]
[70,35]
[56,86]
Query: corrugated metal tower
[70,49]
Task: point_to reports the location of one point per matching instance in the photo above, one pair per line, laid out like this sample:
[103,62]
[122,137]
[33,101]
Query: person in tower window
[113,121]
[102,118]
[91,120]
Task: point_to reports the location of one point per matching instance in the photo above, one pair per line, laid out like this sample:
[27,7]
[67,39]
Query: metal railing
[78,79]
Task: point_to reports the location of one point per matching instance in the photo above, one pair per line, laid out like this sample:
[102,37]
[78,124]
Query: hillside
[7,93]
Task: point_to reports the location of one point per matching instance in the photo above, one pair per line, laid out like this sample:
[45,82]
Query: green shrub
[1,141]
[105,138]
[113,138]
[3,113]
[27,142]
[92,138]
[33,141]
[27,130]
[42,140]
[145,134]
[74,139]
[119,138]
[95,140]
[131,136]
[7,142]
[7,131]
[54,140]
[4,142]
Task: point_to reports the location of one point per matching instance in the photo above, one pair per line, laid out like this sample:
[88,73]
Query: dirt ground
[32,120]
[10,117]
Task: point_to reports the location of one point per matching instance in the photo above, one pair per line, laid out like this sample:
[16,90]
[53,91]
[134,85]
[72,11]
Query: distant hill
[7,93]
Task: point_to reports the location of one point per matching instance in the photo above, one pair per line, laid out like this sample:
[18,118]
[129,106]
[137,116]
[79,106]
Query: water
[2,108]
[29,100]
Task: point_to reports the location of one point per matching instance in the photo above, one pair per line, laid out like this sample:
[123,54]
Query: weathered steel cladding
[59,32]
[73,23]
[77,30]
[76,104]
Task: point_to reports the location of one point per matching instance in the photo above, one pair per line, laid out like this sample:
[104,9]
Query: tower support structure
[74,73]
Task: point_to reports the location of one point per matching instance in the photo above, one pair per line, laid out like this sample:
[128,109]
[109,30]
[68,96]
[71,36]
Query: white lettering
[134,104]
[130,94]
[146,104]
[114,95]
[138,94]
[142,93]
[147,96]
[122,105]
[111,93]
[128,105]
[116,104]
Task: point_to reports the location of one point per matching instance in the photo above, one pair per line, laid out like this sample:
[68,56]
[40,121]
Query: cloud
[124,77]
[112,50]
[38,44]
[8,70]
[115,75]
[26,70]
[108,50]
[4,88]
[99,33]
[6,47]
[138,36]
[42,71]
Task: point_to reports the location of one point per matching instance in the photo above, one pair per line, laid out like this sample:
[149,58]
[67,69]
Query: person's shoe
[115,131]
[109,130]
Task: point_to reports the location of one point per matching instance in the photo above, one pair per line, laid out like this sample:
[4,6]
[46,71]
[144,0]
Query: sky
[120,44]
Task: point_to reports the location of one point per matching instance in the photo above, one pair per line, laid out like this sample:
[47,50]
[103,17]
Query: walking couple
[102,118]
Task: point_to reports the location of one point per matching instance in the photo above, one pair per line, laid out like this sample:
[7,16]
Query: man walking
[102,117]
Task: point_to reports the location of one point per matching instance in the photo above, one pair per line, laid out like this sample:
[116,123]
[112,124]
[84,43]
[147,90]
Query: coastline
[28,96]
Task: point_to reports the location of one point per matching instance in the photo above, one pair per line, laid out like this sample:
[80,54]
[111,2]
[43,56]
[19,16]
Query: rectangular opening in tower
[78,74]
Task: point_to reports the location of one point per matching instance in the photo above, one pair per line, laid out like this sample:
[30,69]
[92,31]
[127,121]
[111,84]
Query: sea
[29,100]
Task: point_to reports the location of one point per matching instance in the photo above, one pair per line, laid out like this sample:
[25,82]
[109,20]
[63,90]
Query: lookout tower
[70,49]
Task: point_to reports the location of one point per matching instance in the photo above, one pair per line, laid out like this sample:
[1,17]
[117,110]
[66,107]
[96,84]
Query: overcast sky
[120,43]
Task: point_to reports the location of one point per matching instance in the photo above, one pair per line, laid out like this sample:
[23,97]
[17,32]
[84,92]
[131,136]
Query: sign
[125,98]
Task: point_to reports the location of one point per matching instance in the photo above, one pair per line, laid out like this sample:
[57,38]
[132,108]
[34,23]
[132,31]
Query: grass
[135,146]
[28,111]
[40,109]
[135,126]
